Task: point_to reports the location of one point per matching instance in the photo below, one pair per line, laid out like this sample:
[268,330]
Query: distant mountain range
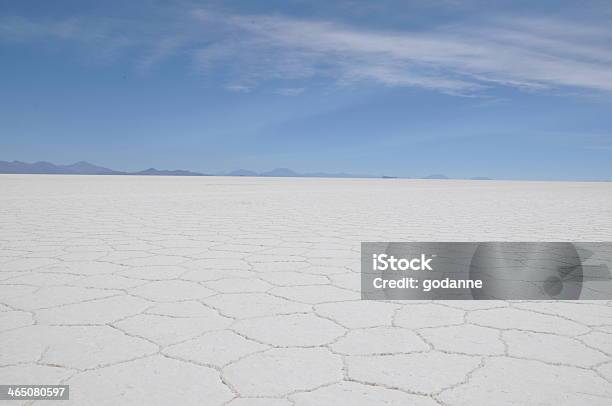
[289,173]
[81,168]
[85,168]
[164,172]
[285,172]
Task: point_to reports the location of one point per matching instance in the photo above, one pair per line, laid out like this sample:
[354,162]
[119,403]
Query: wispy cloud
[101,38]
[290,91]
[530,54]
[161,50]
[238,88]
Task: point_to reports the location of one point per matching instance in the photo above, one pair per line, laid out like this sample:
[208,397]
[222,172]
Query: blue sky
[504,89]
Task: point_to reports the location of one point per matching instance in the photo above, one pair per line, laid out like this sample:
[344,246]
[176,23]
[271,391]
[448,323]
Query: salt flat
[245,291]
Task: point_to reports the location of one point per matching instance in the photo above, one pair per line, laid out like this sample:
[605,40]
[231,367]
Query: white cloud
[161,50]
[238,88]
[532,54]
[290,91]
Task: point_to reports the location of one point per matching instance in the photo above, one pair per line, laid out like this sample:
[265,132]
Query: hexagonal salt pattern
[281,371]
[245,292]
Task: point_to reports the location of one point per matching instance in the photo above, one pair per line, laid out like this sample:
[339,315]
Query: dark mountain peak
[24,167]
[44,163]
[85,168]
[82,164]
